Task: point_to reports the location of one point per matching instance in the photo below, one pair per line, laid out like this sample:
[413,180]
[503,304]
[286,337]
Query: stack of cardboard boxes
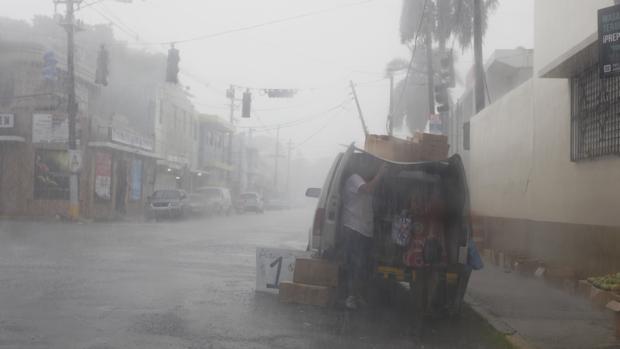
[422,147]
[314,283]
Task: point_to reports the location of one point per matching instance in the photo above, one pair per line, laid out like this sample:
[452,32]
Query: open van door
[327,215]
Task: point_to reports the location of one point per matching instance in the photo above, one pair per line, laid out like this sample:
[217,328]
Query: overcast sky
[318,54]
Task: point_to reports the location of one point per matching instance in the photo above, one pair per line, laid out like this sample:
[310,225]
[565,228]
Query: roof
[215,122]
[573,61]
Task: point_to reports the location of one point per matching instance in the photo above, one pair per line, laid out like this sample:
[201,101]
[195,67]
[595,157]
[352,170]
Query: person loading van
[358,227]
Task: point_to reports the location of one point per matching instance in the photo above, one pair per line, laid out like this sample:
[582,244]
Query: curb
[499,325]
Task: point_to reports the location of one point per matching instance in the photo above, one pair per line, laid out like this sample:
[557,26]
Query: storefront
[121,178]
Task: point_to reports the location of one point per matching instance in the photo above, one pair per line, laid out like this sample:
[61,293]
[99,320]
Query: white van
[218,200]
[438,284]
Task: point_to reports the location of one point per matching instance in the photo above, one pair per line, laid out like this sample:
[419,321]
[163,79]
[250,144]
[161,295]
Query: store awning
[115,146]
[170,164]
[574,61]
[219,165]
[12,139]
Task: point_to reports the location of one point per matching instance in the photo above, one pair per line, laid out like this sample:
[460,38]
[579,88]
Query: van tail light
[319,218]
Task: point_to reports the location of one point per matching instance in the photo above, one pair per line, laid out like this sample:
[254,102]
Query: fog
[204,191]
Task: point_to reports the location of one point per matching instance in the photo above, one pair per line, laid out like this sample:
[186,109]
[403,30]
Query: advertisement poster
[48,128]
[51,174]
[103,176]
[136,180]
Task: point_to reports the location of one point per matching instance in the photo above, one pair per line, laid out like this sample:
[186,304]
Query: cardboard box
[392,148]
[291,292]
[420,137]
[434,151]
[319,272]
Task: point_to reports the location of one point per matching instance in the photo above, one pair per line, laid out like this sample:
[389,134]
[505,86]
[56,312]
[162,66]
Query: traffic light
[247,104]
[446,69]
[172,67]
[101,74]
[50,72]
[442,98]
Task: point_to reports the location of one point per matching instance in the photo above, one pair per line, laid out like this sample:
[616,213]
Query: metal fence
[595,115]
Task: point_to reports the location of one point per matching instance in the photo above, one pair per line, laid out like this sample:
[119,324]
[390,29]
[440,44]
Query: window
[51,174]
[595,119]
[466,128]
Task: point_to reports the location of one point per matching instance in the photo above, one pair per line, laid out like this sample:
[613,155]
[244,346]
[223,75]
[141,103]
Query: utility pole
[72,107]
[275,174]
[479,69]
[288,170]
[231,94]
[359,109]
[391,111]
[430,73]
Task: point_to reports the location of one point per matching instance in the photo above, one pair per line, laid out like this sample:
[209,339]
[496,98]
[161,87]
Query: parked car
[251,201]
[218,199]
[197,204]
[167,203]
[406,187]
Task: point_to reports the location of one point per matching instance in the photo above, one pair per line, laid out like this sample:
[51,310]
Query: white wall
[501,155]
[561,24]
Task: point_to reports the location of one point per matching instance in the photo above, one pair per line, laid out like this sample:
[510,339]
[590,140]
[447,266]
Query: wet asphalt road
[186,284]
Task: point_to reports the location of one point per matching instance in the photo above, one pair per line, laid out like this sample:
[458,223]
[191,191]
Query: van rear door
[331,220]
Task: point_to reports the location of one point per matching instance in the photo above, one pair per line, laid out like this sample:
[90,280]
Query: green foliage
[448,19]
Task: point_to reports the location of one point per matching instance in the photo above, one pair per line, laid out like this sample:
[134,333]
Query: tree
[443,20]
[448,18]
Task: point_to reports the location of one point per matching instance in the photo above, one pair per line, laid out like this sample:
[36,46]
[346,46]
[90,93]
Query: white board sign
[274,265]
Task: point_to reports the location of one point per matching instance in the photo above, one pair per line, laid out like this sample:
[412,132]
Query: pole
[391,112]
[479,69]
[359,109]
[288,170]
[430,72]
[72,107]
[275,171]
[231,95]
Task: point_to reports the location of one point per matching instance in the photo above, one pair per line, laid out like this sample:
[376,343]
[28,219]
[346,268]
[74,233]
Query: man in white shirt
[358,227]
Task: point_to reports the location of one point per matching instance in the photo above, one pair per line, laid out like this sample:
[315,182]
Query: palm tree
[446,18]
[443,20]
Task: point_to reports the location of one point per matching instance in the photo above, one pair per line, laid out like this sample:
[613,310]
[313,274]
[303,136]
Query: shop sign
[103,176]
[274,265]
[51,174]
[7,120]
[48,128]
[131,138]
[609,41]
[136,180]
[75,160]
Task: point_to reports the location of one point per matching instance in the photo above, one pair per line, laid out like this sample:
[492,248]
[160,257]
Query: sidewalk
[543,316]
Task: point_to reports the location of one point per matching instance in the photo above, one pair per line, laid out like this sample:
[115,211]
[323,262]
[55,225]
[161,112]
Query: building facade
[544,163]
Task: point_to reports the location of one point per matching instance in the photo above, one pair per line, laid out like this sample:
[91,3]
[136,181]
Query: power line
[264,24]
[319,130]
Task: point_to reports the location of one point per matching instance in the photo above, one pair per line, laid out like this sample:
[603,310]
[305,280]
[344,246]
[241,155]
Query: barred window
[595,115]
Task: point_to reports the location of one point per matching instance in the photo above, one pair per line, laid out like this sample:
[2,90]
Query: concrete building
[176,130]
[544,168]
[213,150]
[504,71]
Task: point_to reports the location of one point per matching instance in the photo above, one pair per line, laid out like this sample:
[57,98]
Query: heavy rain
[309,174]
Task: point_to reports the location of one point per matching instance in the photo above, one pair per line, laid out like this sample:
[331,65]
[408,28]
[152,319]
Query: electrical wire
[319,130]
[259,25]
[300,121]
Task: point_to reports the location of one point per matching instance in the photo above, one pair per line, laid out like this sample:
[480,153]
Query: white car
[251,201]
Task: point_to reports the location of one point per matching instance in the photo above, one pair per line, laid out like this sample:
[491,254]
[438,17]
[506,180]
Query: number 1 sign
[274,265]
